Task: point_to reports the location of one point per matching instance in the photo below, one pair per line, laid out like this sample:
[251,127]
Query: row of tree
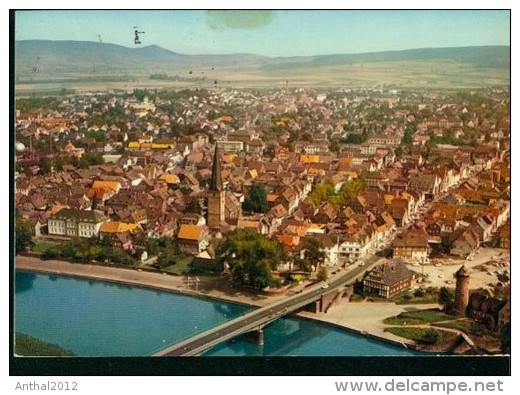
[251,258]
[326,192]
[89,158]
[82,250]
[23,233]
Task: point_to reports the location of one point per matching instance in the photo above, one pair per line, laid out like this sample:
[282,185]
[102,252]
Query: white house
[76,223]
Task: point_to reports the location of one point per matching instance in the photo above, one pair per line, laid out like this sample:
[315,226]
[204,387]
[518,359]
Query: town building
[494,313]
[388,279]
[76,223]
[411,245]
[193,239]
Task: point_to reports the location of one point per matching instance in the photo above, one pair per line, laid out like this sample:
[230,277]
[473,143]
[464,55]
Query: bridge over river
[252,322]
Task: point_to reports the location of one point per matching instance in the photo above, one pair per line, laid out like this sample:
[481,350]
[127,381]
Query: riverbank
[208,286]
[364,318]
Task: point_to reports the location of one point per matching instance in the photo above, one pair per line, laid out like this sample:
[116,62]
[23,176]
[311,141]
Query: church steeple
[216,194]
[215,183]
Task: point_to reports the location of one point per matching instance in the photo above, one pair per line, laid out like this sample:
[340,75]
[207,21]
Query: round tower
[462,291]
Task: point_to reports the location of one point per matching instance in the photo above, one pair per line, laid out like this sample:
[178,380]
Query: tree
[256,200]
[409,131]
[165,259]
[431,336]
[119,256]
[352,188]
[446,298]
[320,193]
[59,162]
[23,235]
[314,255]
[161,245]
[323,274]
[90,158]
[194,207]
[45,165]
[407,137]
[251,257]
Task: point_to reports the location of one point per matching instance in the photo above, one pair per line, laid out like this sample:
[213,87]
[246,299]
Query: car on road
[325,286]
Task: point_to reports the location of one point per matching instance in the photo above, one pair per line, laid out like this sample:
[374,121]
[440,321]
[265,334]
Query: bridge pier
[256,336]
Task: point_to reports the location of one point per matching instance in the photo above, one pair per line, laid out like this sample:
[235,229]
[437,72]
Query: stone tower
[462,291]
[216,194]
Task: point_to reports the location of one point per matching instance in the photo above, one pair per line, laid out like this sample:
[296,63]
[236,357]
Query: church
[222,204]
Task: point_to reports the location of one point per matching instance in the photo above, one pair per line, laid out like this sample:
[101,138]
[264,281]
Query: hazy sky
[271,33]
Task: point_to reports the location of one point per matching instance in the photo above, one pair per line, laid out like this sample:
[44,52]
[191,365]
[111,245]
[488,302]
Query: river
[97,318]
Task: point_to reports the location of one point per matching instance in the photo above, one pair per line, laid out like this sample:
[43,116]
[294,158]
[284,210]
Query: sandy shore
[362,317]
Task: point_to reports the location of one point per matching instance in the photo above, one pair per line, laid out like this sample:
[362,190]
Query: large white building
[75,223]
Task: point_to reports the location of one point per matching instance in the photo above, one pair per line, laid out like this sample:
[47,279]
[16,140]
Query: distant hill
[484,56]
[81,56]
[43,60]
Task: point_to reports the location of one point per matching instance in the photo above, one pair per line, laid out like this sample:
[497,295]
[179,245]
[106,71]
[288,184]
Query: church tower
[216,194]
[462,291]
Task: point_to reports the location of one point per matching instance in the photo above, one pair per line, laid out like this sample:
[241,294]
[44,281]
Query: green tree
[90,158]
[357,138]
[119,256]
[431,336]
[303,264]
[398,151]
[251,257]
[352,188]
[323,274]
[165,259]
[194,207]
[45,165]
[23,235]
[321,193]
[409,131]
[256,200]
[407,137]
[446,298]
[155,246]
[59,162]
[314,255]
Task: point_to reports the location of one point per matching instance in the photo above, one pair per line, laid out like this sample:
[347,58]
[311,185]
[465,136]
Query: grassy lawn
[418,300]
[41,246]
[418,317]
[29,346]
[181,267]
[417,334]
[468,326]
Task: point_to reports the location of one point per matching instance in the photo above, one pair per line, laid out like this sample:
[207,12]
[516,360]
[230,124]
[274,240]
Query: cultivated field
[403,74]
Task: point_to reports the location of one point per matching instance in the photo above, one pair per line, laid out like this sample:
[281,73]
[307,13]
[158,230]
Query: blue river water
[97,318]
